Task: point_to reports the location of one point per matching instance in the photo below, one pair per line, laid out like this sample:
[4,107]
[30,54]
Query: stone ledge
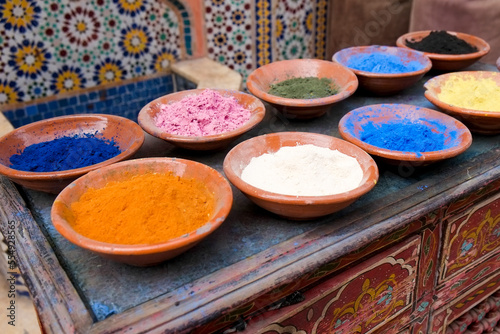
[206,73]
[5,126]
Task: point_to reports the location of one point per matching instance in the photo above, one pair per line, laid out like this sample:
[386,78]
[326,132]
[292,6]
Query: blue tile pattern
[125,100]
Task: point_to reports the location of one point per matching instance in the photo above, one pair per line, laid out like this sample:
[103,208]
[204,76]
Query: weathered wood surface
[252,253]
[53,294]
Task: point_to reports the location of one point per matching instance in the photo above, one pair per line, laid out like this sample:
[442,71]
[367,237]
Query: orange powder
[145,209]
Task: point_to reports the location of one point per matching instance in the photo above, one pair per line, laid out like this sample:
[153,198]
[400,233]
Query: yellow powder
[471,93]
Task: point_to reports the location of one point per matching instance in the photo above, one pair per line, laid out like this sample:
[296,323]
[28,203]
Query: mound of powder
[305,170]
[409,136]
[471,93]
[205,114]
[440,41]
[382,63]
[304,88]
[65,153]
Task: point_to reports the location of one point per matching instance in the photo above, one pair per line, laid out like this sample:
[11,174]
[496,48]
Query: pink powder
[208,113]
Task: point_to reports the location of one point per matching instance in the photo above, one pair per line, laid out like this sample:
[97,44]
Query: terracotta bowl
[126,133]
[385,83]
[149,111]
[297,207]
[142,255]
[260,80]
[458,136]
[444,62]
[478,121]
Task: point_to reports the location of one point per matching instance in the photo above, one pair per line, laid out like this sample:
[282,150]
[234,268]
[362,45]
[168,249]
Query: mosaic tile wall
[52,47]
[245,34]
[55,46]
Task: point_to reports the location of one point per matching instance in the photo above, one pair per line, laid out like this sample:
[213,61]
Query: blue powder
[382,63]
[406,136]
[64,153]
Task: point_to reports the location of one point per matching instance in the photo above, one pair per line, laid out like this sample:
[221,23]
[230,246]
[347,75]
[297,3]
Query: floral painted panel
[470,237]
[53,46]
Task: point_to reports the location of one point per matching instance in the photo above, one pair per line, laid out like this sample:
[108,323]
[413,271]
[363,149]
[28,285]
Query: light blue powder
[382,63]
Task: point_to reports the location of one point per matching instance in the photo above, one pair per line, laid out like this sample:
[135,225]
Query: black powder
[443,43]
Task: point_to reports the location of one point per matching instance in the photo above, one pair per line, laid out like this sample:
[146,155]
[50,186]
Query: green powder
[304,88]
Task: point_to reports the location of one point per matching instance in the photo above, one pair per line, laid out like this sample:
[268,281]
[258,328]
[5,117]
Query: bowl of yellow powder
[470,96]
[300,175]
[302,88]
[145,211]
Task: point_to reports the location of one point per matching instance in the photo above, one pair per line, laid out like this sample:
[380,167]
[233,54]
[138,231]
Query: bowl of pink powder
[201,119]
[300,175]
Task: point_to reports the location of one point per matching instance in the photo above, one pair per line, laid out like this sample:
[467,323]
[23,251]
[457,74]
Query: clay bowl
[297,207]
[126,133]
[478,121]
[260,80]
[142,255]
[444,62]
[385,83]
[148,113]
[458,137]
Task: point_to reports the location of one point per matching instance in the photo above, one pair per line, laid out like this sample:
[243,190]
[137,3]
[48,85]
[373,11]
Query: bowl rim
[147,123]
[482,49]
[70,173]
[406,155]
[350,87]
[422,71]
[431,95]
[65,229]
[371,175]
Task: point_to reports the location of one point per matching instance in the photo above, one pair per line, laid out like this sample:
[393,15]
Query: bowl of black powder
[448,50]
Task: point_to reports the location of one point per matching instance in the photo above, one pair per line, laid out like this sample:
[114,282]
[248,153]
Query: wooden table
[243,276]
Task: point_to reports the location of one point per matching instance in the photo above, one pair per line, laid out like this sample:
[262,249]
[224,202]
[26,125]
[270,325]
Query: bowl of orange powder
[145,211]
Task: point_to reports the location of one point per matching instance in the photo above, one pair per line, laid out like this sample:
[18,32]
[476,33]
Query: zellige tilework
[54,46]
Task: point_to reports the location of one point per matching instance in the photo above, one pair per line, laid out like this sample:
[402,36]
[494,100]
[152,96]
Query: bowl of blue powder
[400,133]
[384,70]
[48,155]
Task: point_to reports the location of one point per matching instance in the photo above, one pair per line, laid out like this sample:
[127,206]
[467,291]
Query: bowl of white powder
[300,175]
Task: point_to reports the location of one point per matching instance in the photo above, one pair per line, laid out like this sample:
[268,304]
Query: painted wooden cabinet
[444,267]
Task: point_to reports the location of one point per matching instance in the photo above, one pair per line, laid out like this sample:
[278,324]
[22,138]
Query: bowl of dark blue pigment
[48,155]
[384,70]
[405,133]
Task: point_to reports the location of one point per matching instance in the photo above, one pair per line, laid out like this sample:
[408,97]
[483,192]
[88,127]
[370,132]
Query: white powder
[305,170]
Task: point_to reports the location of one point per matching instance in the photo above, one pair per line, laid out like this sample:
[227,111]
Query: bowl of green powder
[448,50]
[470,96]
[384,70]
[302,88]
